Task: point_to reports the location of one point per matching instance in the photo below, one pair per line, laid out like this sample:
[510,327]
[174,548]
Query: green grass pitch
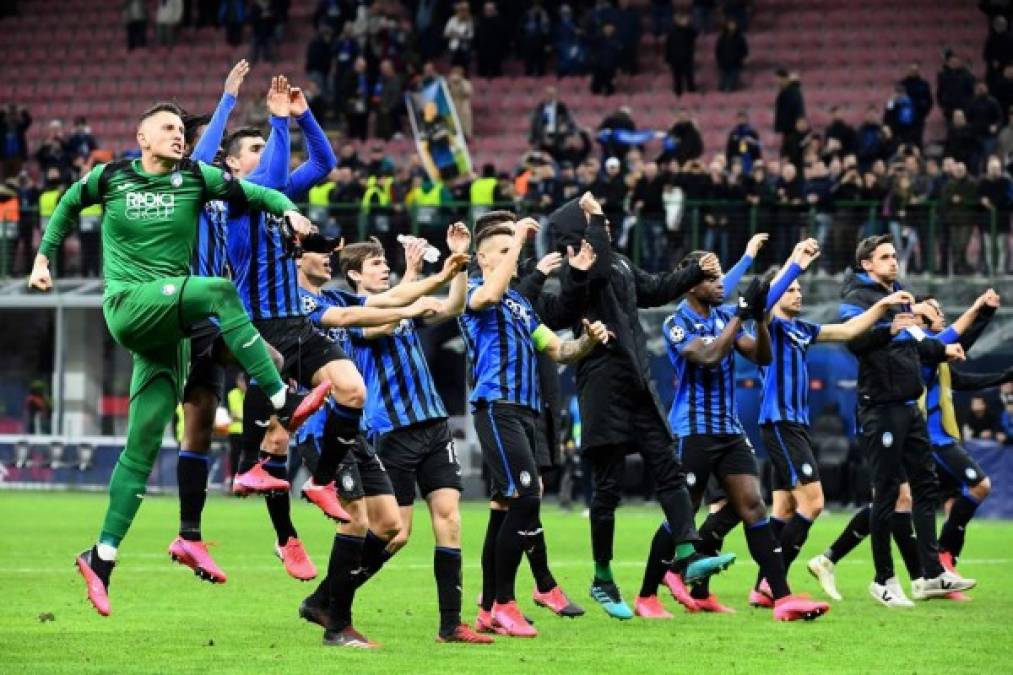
[165,620]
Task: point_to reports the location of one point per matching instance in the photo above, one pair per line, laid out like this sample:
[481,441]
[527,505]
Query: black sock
[489,558]
[793,537]
[341,431]
[903,530]
[852,535]
[192,477]
[777,527]
[658,560]
[346,557]
[512,541]
[257,407]
[715,528]
[374,556]
[538,560]
[447,570]
[766,552]
[320,597]
[951,539]
[102,568]
[279,506]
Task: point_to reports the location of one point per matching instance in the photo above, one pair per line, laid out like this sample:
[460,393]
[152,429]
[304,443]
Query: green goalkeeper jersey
[149,221]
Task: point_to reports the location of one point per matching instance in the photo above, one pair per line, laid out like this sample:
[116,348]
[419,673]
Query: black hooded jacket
[889,367]
[614,380]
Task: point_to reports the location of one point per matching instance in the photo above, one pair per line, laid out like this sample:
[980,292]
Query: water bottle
[431,254]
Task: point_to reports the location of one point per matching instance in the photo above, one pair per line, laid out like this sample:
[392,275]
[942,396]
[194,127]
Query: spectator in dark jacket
[961,142]
[984,116]
[550,123]
[920,92]
[490,41]
[954,86]
[54,153]
[730,52]
[872,139]
[840,136]
[788,106]
[355,96]
[689,142]
[320,56]
[1003,92]
[797,143]
[743,143]
[901,117]
[533,41]
[680,49]
[628,33]
[998,50]
[606,53]
[14,123]
[388,98]
[571,56]
[621,119]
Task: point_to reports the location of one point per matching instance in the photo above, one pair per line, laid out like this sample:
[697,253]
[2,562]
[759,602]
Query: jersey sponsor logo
[800,341]
[517,309]
[168,289]
[887,439]
[150,205]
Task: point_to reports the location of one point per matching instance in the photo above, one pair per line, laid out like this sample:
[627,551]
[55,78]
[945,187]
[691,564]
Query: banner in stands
[437,131]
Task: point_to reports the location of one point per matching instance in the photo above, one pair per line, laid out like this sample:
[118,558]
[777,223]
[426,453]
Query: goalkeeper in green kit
[150,217]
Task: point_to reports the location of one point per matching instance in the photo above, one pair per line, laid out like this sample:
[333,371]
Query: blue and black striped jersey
[264,272]
[210,255]
[400,388]
[704,397]
[786,379]
[501,350]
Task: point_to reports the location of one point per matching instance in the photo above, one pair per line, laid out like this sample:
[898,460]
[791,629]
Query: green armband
[541,336]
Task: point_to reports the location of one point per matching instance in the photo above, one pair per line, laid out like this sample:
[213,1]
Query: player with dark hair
[701,335]
[150,215]
[502,333]
[890,359]
[963,483]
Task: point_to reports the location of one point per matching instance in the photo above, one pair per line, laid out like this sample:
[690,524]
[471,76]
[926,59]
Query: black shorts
[422,454]
[719,455]
[957,470]
[791,452]
[714,492]
[207,350]
[506,433]
[304,348]
[360,474]
[545,443]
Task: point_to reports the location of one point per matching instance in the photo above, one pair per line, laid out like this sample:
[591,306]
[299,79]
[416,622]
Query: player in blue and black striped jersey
[784,407]
[364,544]
[502,334]
[701,335]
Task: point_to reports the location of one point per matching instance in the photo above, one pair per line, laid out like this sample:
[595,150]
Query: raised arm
[458,242]
[496,284]
[406,293]
[207,145]
[272,170]
[972,323]
[365,317]
[857,325]
[320,157]
[756,349]
[733,276]
[802,256]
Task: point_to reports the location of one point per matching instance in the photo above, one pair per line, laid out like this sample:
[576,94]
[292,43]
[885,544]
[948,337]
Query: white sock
[106,552]
[278,398]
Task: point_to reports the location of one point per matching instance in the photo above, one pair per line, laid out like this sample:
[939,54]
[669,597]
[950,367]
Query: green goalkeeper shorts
[147,320]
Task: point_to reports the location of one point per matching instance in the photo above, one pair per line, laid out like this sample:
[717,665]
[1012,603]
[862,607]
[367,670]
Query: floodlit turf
[165,620]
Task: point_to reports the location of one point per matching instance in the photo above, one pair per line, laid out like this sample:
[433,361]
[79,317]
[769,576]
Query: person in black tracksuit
[619,407]
[890,357]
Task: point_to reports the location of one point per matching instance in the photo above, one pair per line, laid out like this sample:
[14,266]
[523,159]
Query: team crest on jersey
[525,478]
[801,341]
[807,469]
[176,179]
[887,439]
[517,309]
[676,333]
[168,289]
[406,327]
